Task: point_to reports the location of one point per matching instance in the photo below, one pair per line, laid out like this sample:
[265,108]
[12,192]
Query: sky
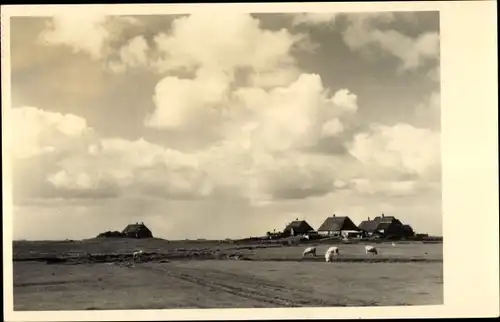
[214,125]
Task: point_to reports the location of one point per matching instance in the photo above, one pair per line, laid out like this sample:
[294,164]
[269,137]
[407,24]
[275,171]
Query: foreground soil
[102,275]
[223,284]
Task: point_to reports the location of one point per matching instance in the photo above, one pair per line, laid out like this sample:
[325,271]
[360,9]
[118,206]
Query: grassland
[100,274]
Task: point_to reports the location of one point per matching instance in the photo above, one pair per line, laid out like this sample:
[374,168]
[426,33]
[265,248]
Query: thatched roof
[335,223]
[379,222]
[136,228]
[368,225]
[385,218]
[408,228]
[299,226]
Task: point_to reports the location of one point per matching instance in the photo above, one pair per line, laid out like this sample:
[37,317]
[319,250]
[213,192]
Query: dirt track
[246,287]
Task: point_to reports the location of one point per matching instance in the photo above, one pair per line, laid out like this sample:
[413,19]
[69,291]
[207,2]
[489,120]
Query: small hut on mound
[137,231]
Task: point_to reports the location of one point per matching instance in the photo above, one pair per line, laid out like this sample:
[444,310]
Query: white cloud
[369,30]
[290,117]
[36,131]
[228,42]
[134,53]
[332,128]
[71,180]
[85,32]
[314,18]
[134,166]
[184,101]
[400,147]
[277,77]
[81,31]
[346,100]
[412,52]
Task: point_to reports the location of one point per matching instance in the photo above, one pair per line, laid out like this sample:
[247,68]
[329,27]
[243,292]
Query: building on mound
[297,227]
[387,227]
[137,231]
[341,226]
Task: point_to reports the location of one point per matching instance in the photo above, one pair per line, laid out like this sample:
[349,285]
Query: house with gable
[386,226]
[341,226]
[297,227]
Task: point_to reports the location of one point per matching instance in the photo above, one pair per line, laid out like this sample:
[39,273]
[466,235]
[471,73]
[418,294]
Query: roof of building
[299,226]
[368,225]
[385,218]
[134,228]
[335,223]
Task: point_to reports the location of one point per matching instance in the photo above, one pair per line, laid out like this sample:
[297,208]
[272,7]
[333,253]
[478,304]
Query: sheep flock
[334,251]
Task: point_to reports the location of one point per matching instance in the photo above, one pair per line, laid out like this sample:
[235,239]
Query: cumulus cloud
[314,18]
[412,52]
[346,100]
[231,44]
[136,167]
[83,31]
[263,124]
[291,117]
[181,101]
[259,162]
[134,53]
[368,31]
[276,118]
[228,42]
[332,128]
[413,150]
[274,78]
[36,131]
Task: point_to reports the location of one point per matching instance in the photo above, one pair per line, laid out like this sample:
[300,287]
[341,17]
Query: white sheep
[137,254]
[309,250]
[393,244]
[331,252]
[371,249]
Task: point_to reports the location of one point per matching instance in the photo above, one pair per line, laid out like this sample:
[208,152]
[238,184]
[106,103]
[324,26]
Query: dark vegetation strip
[108,258]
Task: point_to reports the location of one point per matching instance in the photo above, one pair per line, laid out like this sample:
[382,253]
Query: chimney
[382,215]
[368,218]
[297,219]
[333,215]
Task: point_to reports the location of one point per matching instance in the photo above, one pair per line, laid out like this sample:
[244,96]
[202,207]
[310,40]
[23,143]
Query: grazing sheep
[371,249]
[331,252]
[393,244]
[137,254]
[309,250]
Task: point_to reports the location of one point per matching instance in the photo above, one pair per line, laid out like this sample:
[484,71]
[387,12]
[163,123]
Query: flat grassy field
[213,275]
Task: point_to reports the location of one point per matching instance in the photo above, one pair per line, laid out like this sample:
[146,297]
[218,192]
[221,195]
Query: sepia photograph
[226,160]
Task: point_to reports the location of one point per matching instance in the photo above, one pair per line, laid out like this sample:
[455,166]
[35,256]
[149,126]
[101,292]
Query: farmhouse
[297,227]
[338,226]
[137,231]
[386,226]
